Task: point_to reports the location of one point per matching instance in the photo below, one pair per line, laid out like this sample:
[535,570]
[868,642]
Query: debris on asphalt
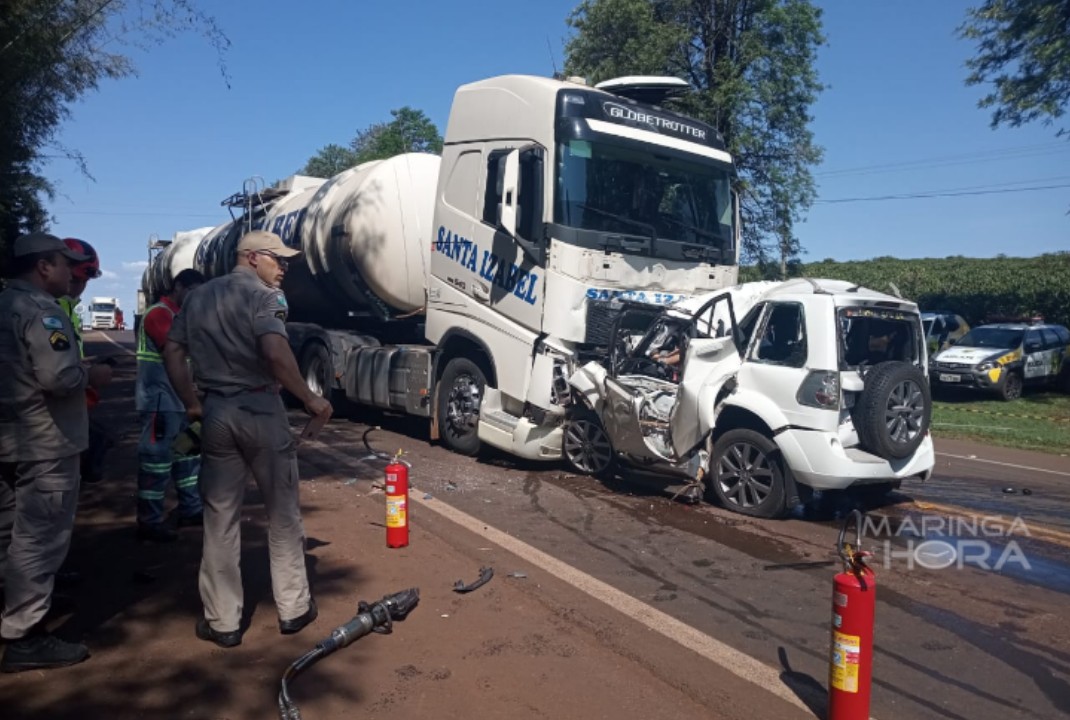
[1009,491]
[427,496]
[485,574]
[1026,491]
[517,574]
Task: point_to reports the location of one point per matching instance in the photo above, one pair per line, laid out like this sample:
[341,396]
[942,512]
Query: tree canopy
[53,52]
[409,131]
[751,64]
[1023,54]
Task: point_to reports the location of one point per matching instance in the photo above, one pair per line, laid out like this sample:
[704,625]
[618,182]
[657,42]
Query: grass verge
[1037,421]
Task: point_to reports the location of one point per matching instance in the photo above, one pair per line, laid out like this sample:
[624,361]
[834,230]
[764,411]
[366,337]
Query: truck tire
[317,369]
[1011,389]
[587,448]
[893,414]
[747,475]
[460,395]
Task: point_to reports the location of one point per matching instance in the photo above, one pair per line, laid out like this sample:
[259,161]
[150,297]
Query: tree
[1023,52]
[329,161]
[409,131]
[52,52]
[751,65]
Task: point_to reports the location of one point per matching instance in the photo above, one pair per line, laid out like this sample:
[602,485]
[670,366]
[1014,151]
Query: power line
[145,214]
[939,194]
[1012,153]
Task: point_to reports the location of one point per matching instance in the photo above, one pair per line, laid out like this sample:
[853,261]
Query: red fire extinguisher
[854,600]
[397,503]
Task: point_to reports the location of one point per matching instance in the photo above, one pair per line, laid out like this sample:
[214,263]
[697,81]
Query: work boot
[297,624]
[41,651]
[156,532]
[222,639]
[185,521]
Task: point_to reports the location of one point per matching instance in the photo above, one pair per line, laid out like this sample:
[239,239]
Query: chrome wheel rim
[462,406]
[905,411]
[745,475]
[312,377]
[587,446]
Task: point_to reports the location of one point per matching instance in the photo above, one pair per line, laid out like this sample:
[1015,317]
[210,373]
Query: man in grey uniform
[44,427]
[233,328]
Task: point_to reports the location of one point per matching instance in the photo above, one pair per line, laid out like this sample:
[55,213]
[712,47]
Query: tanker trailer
[169,262]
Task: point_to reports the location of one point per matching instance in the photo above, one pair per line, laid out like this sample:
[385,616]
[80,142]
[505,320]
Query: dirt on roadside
[525,646]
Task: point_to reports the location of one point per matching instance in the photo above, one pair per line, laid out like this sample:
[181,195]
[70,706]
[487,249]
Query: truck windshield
[101,307]
[632,189]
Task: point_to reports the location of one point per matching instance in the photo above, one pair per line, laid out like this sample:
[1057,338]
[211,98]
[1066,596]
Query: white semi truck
[103,313]
[465,288]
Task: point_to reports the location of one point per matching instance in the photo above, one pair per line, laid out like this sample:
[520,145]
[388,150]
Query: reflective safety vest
[152,390]
[70,306]
[146,348]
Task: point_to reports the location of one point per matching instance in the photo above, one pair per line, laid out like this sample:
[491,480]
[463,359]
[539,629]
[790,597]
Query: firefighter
[43,428]
[81,274]
[99,439]
[233,328]
[163,417]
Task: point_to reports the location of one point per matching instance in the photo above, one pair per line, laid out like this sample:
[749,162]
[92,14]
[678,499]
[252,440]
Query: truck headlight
[820,389]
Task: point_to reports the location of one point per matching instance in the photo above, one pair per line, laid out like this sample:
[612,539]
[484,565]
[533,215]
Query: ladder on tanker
[252,202]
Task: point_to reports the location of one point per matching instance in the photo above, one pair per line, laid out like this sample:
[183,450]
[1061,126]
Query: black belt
[243,391]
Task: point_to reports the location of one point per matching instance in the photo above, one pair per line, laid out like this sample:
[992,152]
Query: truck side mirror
[510,175]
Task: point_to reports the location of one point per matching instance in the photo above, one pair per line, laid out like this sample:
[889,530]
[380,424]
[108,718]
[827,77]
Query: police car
[1003,358]
[943,329]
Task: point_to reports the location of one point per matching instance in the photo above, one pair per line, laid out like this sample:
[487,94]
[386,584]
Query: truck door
[509,269]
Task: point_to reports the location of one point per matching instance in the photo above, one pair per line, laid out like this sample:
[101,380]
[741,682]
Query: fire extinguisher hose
[378,617]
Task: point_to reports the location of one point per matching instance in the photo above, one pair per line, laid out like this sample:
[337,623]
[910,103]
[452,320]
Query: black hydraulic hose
[378,617]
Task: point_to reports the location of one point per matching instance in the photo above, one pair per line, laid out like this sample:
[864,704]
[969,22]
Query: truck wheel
[587,448]
[459,397]
[318,370]
[1012,387]
[746,475]
[893,414]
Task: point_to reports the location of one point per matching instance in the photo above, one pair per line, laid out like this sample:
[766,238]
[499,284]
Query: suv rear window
[874,335]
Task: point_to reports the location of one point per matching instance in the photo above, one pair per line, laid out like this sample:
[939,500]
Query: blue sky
[167,146]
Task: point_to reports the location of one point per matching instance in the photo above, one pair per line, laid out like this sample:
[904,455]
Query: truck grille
[601,314]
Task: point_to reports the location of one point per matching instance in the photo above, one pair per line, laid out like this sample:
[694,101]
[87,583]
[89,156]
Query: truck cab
[554,199]
[102,313]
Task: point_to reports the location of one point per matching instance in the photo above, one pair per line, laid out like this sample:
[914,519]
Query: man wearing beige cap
[44,427]
[234,330]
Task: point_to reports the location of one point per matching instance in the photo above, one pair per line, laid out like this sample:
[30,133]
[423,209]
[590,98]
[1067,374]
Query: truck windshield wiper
[692,228]
[622,218]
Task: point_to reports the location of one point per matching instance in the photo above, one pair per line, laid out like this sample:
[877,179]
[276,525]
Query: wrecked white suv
[761,392]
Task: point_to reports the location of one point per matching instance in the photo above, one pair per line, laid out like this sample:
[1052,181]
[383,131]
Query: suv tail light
[820,389]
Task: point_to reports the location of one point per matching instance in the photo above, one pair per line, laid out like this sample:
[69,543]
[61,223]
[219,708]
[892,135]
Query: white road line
[1005,464]
[739,664]
[114,342]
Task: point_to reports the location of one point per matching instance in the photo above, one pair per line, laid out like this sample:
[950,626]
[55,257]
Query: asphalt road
[983,638]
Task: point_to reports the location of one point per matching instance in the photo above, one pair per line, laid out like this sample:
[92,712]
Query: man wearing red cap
[81,274]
